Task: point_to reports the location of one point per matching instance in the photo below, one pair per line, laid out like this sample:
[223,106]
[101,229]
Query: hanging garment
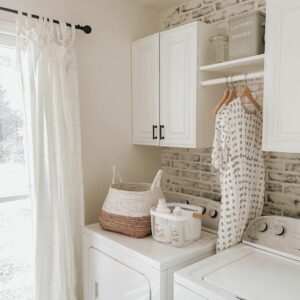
[237,154]
[49,76]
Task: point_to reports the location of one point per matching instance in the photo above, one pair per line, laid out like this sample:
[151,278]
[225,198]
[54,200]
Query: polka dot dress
[237,154]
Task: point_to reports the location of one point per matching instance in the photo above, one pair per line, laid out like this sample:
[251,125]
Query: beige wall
[104,63]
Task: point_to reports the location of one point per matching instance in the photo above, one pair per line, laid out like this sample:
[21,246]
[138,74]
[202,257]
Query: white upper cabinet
[281,130]
[185,118]
[145,90]
[178,86]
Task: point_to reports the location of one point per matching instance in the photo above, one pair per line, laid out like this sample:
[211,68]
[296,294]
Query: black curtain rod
[86,29]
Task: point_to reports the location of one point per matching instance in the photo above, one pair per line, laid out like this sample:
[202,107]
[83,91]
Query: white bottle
[196,221]
[162,226]
[178,229]
[188,227]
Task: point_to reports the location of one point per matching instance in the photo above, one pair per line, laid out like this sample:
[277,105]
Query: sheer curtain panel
[49,77]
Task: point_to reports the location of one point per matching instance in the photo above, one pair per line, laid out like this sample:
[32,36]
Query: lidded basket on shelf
[126,208]
[246,35]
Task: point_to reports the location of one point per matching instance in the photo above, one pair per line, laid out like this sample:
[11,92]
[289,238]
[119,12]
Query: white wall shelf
[237,66]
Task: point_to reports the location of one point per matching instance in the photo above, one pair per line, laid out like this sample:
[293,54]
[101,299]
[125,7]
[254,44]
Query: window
[16,230]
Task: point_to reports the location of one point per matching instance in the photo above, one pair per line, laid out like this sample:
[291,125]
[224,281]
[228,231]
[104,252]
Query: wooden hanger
[222,101]
[247,93]
[232,94]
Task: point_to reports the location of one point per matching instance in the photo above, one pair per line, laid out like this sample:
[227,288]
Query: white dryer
[118,267]
[265,266]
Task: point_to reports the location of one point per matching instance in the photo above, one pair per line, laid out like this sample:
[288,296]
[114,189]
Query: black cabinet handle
[153,132]
[160,132]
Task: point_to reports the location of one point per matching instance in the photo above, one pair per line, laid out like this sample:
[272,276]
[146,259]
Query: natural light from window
[16,230]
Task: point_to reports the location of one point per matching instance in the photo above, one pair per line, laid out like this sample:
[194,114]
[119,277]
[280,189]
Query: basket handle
[157,180]
[117,178]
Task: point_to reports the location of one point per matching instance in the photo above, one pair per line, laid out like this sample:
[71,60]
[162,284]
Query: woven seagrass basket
[126,208]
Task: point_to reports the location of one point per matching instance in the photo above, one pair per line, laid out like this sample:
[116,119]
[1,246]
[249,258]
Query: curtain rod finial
[87,29]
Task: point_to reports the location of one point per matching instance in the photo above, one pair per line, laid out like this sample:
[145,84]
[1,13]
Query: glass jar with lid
[219,48]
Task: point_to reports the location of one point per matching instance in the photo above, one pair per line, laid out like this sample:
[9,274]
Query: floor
[16,251]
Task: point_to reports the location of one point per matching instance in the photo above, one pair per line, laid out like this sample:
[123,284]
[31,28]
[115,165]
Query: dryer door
[110,279]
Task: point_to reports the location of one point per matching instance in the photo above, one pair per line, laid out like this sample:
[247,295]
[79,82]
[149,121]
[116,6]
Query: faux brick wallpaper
[189,171]
[208,11]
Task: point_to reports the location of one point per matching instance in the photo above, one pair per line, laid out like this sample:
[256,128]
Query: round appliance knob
[213,213]
[262,227]
[204,210]
[279,230]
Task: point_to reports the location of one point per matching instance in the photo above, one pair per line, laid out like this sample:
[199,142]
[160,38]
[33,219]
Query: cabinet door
[282,89]
[145,90]
[110,279]
[178,86]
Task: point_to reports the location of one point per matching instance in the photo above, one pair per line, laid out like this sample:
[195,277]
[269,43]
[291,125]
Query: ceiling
[160,4]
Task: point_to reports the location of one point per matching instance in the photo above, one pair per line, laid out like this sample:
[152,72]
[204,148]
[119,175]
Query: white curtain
[50,86]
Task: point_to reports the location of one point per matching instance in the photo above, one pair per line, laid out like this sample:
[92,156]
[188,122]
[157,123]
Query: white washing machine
[265,266]
[118,267]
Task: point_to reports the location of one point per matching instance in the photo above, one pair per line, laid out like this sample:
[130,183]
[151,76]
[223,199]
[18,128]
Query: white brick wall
[208,11]
[190,171]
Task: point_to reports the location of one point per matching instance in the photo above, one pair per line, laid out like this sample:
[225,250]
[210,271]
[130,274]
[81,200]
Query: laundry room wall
[104,69]
[189,171]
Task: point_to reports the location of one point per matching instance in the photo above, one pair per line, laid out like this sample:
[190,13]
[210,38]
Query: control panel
[211,209]
[275,232]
